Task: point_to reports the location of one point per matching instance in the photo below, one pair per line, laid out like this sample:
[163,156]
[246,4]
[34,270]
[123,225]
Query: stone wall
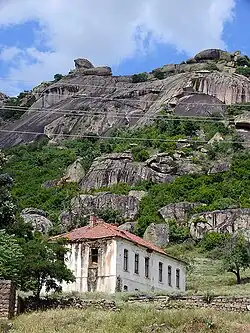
[224,303]
[7,299]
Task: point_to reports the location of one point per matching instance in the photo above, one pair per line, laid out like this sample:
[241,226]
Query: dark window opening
[146,267]
[177,278]
[160,271]
[125,262]
[125,288]
[94,256]
[136,263]
[169,275]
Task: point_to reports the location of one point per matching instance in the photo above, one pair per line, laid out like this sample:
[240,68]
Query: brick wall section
[7,299]
[224,303]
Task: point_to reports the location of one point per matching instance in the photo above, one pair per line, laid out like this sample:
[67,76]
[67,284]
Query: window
[169,275]
[125,288]
[160,271]
[125,260]
[147,267]
[94,256]
[177,278]
[136,263]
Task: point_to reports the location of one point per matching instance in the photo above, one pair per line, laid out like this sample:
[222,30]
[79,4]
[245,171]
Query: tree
[11,257]
[235,255]
[44,265]
[58,77]
[7,208]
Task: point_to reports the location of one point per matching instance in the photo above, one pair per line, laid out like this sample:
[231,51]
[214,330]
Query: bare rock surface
[86,204]
[157,234]
[179,211]
[91,100]
[117,168]
[75,172]
[222,221]
[38,219]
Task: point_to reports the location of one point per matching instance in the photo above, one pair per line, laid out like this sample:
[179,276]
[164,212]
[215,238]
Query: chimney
[93,221]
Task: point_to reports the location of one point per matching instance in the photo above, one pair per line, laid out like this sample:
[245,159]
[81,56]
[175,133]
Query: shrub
[213,239]
[177,234]
[243,71]
[142,77]
[140,154]
[58,77]
[159,75]
[212,67]
[243,61]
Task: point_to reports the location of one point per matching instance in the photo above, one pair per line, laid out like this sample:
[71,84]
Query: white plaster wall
[139,281]
[78,260]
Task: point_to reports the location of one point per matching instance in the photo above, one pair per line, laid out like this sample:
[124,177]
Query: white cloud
[104,30]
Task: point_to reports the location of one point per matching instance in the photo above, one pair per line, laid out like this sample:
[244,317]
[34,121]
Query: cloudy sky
[39,38]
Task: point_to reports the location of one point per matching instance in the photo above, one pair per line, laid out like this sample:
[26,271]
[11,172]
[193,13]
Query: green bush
[159,75]
[243,61]
[58,77]
[140,154]
[142,77]
[243,71]
[177,233]
[212,240]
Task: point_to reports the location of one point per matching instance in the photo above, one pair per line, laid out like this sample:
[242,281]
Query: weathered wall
[224,303]
[138,281]
[7,299]
[78,262]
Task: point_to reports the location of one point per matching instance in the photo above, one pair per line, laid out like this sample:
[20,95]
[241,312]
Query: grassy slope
[132,320]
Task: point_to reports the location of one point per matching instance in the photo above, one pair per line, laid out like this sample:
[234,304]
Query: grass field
[131,320]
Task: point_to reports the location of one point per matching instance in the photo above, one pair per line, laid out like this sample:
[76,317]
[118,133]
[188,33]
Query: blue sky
[43,37]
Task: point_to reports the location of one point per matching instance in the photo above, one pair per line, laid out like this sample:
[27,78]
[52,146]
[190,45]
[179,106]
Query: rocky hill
[174,152]
[91,100]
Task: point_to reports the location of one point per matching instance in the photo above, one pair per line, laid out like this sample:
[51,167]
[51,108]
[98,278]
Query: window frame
[125,260]
[160,271]
[170,275]
[136,268]
[146,267]
[177,277]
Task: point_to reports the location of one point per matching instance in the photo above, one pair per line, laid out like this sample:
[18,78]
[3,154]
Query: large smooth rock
[128,226]
[84,205]
[213,54]
[38,219]
[75,172]
[101,71]
[83,63]
[157,234]
[222,221]
[179,211]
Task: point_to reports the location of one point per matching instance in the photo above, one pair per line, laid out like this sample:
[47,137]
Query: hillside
[132,319]
[91,100]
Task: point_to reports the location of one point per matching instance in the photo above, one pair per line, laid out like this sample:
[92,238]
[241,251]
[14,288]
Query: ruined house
[106,259]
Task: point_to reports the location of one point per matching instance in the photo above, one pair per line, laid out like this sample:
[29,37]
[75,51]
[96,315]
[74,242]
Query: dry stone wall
[7,299]
[223,303]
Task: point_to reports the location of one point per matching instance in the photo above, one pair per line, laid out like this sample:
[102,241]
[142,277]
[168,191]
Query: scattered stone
[216,138]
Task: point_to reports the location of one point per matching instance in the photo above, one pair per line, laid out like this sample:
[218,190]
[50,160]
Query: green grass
[132,319]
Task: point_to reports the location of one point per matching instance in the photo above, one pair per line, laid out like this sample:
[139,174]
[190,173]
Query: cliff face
[91,100]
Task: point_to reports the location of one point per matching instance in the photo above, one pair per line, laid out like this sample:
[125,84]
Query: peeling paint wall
[138,282]
[99,277]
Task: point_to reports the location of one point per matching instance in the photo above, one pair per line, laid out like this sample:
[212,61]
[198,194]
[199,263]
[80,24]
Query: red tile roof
[100,229]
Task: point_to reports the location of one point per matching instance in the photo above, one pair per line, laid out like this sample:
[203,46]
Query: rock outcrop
[127,206]
[157,234]
[38,219]
[214,54]
[179,211]
[222,221]
[83,63]
[116,168]
[75,172]
[129,226]
[91,100]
